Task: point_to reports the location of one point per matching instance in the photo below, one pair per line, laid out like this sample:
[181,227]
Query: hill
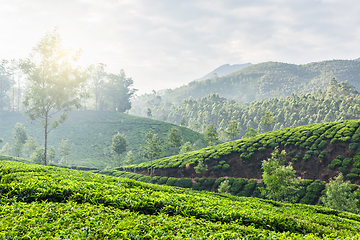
[224,70]
[48,202]
[258,81]
[91,132]
[317,151]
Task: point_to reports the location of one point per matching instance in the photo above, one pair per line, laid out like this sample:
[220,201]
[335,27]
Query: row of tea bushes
[308,192]
[48,202]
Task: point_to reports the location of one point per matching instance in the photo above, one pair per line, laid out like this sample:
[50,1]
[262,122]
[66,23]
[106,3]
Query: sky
[165,44]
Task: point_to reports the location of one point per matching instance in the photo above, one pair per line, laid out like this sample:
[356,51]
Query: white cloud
[164,44]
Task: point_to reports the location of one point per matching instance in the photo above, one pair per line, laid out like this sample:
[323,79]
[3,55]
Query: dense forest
[256,82]
[338,101]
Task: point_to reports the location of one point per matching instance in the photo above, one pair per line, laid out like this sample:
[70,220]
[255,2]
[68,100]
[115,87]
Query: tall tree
[119,91]
[280,180]
[19,138]
[211,134]
[338,195]
[151,149]
[267,121]
[174,138]
[232,129]
[119,145]
[98,76]
[54,83]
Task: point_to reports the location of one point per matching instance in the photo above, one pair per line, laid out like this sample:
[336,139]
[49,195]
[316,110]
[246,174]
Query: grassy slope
[318,151]
[263,80]
[90,132]
[49,202]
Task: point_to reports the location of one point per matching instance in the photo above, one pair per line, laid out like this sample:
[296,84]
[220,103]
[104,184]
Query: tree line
[339,101]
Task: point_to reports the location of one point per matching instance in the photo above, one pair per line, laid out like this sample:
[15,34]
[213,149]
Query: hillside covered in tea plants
[90,134]
[317,151]
[48,202]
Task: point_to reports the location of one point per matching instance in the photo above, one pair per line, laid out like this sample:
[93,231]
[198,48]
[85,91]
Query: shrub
[248,189]
[343,170]
[355,170]
[217,183]
[155,179]
[291,154]
[171,181]
[306,157]
[163,180]
[209,182]
[353,146]
[346,162]
[262,149]
[184,182]
[334,140]
[352,177]
[237,185]
[197,186]
[225,167]
[322,154]
[222,162]
[216,168]
[144,179]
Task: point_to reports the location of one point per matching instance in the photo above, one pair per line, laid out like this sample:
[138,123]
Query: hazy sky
[165,44]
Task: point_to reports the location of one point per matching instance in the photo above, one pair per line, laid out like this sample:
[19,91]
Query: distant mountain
[224,70]
[358,59]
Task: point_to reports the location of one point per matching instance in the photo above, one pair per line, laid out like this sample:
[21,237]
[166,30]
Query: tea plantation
[50,202]
[318,151]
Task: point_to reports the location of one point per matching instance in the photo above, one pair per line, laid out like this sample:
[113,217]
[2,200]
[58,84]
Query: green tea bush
[248,189]
[217,183]
[352,177]
[162,180]
[346,162]
[237,185]
[225,167]
[171,181]
[353,146]
[184,182]
[355,170]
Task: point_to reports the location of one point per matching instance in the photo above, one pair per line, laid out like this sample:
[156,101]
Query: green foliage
[211,135]
[171,181]
[353,146]
[151,148]
[174,138]
[280,180]
[225,167]
[187,147]
[250,132]
[267,121]
[129,158]
[232,129]
[338,195]
[19,138]
[224,187]
[201,167]
[67,197]
[184,182]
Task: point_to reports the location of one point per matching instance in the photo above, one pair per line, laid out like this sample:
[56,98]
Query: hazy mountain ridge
[224,70]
